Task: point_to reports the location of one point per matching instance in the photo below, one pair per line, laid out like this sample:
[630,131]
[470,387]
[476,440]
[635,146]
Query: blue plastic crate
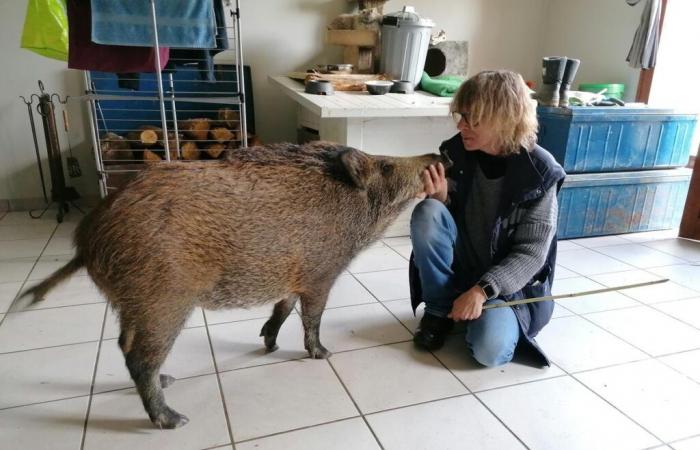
[613,139]
[622,202]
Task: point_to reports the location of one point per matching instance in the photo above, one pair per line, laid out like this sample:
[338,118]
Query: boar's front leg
[312,305]
[272,326]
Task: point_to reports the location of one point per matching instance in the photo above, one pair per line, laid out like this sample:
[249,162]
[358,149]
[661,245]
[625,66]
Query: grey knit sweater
[534,230]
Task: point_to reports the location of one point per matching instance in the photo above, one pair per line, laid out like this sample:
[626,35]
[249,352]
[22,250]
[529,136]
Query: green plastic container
[616,90]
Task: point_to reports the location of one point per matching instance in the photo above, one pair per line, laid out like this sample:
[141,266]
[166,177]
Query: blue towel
[181,23]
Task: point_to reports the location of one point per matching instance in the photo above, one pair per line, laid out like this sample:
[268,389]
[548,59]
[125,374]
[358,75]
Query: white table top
[362,104]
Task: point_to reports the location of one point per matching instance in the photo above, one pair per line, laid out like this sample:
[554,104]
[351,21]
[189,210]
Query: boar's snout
[445,159]
[433,159]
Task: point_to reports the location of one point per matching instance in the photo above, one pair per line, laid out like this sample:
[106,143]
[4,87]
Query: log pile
[197,139]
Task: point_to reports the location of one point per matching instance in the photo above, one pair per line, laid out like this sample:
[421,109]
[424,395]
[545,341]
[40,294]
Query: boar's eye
[387,168]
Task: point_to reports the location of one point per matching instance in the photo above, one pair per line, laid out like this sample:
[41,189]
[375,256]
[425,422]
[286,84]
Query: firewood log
[143,138]
[149,156]
[172,144]
[197,129]
[189,151]
[229,117]
[214,150]
[221,135]
[115,148]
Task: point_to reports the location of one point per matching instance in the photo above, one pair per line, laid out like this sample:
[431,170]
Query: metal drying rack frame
[114,172]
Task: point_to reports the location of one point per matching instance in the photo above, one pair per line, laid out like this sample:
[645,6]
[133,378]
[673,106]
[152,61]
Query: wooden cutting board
[341,82]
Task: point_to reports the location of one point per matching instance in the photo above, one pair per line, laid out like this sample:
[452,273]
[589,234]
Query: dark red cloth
[86,55]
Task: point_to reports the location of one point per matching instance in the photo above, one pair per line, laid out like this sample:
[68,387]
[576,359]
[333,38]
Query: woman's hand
[468,306]
[435,183]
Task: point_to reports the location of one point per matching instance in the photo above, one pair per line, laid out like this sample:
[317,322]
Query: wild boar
[269,224]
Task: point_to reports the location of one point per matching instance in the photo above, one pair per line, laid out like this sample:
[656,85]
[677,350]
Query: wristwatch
[489,291]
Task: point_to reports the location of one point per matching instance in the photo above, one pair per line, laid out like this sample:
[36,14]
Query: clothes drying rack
[174,115]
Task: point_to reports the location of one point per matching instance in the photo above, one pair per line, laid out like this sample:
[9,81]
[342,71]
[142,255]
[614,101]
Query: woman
[486,233]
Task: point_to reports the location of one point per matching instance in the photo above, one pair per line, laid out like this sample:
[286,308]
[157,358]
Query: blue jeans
[493,336]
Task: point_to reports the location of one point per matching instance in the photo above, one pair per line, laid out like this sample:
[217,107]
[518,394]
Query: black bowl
[319,87]
[378,87]
[402,87]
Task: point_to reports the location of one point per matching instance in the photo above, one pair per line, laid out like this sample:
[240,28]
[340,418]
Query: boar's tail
[40,290]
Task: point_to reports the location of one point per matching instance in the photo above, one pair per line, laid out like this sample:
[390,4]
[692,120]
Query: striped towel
[181,23]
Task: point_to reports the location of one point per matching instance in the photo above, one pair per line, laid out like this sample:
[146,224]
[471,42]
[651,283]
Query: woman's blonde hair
[499,100]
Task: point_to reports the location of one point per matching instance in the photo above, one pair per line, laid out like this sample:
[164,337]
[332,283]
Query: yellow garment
[46,29]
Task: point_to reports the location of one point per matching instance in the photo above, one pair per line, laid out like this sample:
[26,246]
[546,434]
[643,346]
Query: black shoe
[432,332]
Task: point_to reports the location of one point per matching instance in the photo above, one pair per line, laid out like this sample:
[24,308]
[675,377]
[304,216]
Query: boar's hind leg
[272,326]
[312,306]
[144,356]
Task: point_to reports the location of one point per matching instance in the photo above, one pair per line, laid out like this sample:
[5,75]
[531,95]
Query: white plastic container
[405,40]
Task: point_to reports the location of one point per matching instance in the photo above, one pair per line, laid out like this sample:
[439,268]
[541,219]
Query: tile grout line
[469,391]
[107,391]
[478,399]
[357,407]
[341,352]
[18,295]
[673,317]
[220,384]
[594,249]
[663,251]
[649,355]
[566,372]
[583,316]
[44,402]
[575,314]
[694,436]
[307,427]
[585,386]
[383,305]
[49,347]
[92,384]
[570,374]
[53,307]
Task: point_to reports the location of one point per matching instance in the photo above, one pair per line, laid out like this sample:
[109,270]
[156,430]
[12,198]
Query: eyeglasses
[458,117]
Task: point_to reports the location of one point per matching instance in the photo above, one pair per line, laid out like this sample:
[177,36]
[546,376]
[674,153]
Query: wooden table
[391,124]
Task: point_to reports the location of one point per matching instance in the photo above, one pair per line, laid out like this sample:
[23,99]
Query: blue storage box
[587,139]
[621,202]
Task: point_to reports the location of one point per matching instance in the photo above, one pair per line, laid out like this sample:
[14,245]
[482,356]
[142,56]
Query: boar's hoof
[270,337]
[169,419]
[166,380]
[319,352]
[270,346]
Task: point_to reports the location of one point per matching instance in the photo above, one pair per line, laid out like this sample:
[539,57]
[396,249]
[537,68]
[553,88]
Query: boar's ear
[356,165]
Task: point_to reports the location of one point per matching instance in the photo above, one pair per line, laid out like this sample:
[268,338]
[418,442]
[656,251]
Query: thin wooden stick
[575,294]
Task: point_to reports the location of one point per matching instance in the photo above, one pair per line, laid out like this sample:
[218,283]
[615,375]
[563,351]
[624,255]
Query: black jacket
[528,176]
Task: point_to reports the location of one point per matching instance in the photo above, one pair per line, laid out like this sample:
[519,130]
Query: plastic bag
[46,29]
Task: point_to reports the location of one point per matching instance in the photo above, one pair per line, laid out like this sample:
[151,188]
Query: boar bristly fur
[269,224]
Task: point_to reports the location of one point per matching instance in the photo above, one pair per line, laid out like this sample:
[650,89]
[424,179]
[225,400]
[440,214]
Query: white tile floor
[625,373]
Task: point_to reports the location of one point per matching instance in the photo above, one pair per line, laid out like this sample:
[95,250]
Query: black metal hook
[63,102]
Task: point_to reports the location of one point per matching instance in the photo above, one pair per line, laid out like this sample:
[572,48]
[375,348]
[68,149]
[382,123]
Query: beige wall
[19,179]
[284,35]
[599,33]
[502,34]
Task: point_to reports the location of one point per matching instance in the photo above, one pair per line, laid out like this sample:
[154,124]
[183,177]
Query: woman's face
[476,136]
